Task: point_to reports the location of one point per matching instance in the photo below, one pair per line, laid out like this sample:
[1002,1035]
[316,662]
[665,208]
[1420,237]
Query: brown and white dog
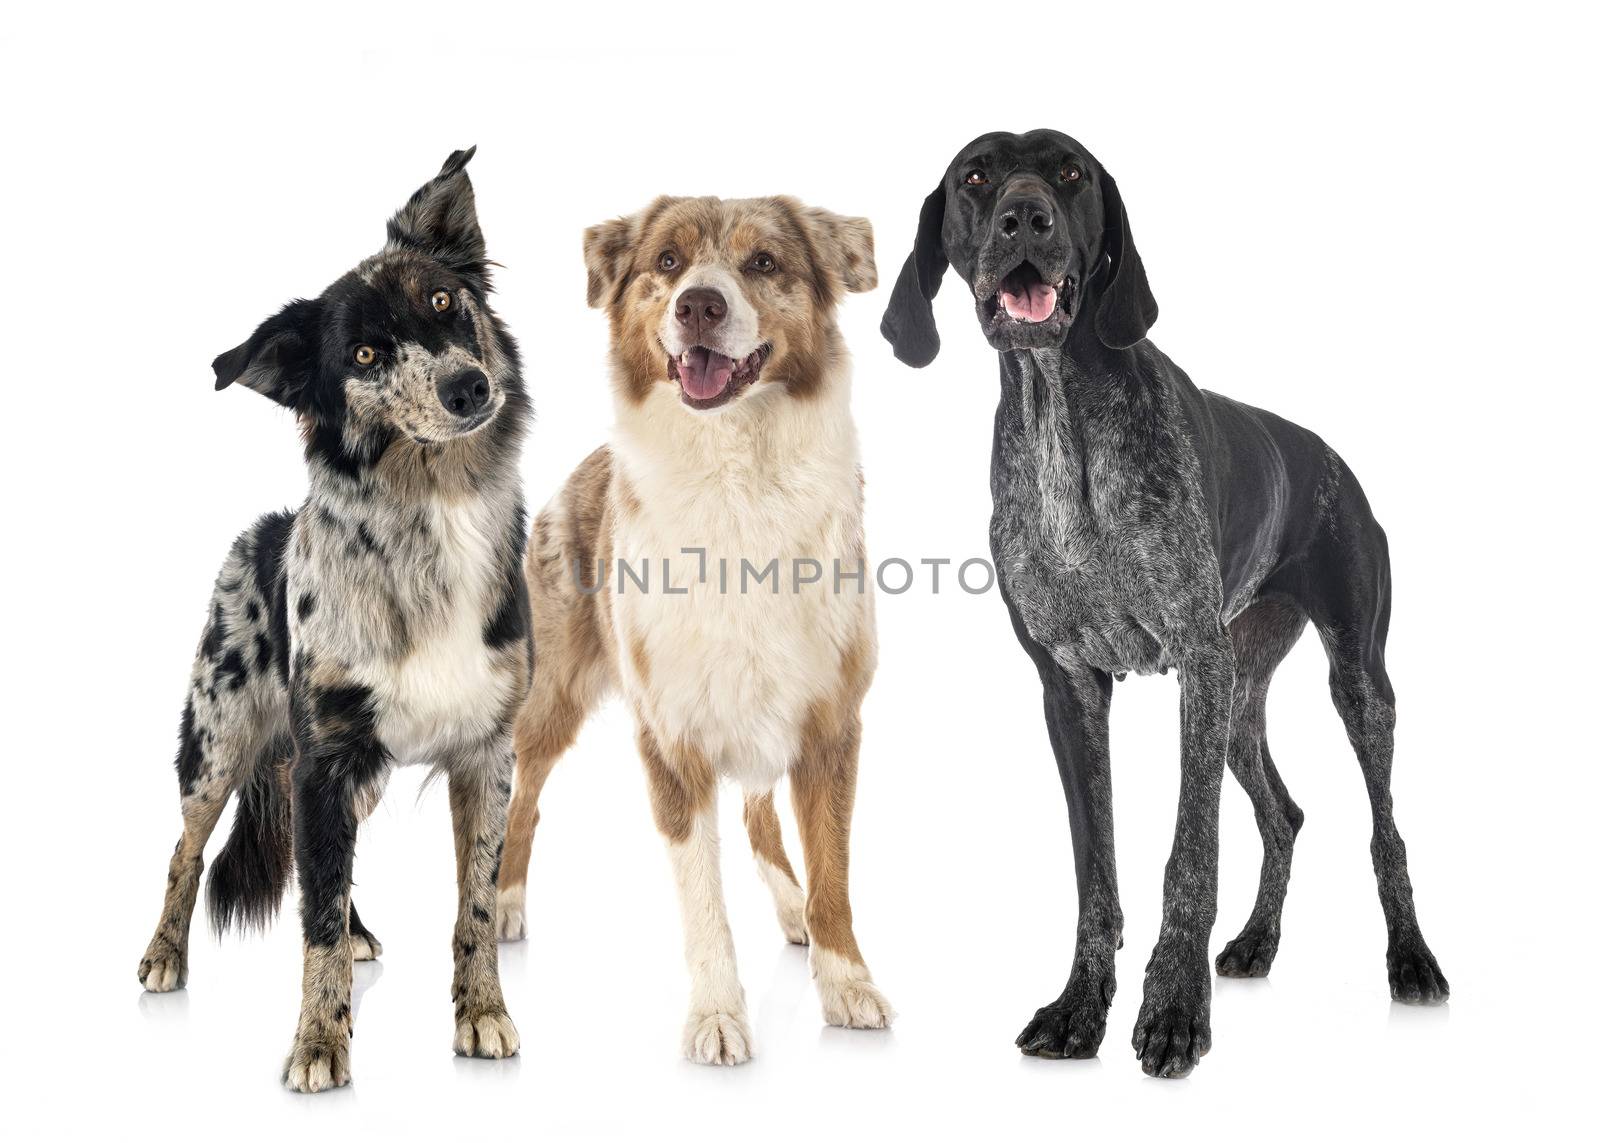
[733,466]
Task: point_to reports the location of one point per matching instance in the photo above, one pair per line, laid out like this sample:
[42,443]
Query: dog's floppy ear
[279,359]
[1127,308]
[441,220]
[845,245]
[607,253]
[908,322]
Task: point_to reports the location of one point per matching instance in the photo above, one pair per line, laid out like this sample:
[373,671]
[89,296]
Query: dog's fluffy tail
[248,877]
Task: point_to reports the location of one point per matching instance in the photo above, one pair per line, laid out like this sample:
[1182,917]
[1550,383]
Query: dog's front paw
[487,1033]
[1414,976]
[510,911]
[1174,1026]
[318,1062]
[849,998]
[1250,954]
[717,1038]
[364,946]
[855,1004]
[164,967]
[1072,1027]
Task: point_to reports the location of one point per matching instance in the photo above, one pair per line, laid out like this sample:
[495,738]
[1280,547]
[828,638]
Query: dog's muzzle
[706,376]
[1023,292]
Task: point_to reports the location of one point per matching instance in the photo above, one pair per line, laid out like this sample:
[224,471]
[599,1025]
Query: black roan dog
[1141,524]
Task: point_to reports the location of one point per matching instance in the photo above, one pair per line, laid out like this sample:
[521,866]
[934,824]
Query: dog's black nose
[701,310]
[466,393]
[1031,214]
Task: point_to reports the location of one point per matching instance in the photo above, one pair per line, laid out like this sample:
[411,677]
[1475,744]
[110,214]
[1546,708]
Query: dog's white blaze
[736,673]
[445,691]
[739,333]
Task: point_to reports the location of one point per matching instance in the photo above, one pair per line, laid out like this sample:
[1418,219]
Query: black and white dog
[384,622]
[1140,524]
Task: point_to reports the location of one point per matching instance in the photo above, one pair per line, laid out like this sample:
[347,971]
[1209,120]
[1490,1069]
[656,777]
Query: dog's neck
[1080,364]
[403,473]
[768,430]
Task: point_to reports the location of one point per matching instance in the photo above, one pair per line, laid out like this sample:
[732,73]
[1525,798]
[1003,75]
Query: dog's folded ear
[1127,309]
[441,221]
[279,359]
[908,322]
[608,254]
[844,245]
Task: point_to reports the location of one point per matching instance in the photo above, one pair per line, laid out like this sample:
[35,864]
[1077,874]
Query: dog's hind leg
[1353,621]
[218,753]
[1365,702]
[546,727]
[1262,636]
[165,965]
[363,945]
[766,840]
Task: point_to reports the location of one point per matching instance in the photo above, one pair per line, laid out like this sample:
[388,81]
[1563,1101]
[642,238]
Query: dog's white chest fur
[445,689]
[731,666]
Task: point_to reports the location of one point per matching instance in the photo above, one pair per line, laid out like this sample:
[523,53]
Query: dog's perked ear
[279,358]
[844,245]
[1127,309]
[441,220]
[908,322]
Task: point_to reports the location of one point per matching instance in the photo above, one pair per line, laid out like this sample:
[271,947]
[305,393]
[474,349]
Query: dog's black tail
[249,875]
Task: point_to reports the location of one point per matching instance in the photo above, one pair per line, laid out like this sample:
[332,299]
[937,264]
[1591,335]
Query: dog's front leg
[339,761]
[1174,1026]
[683,796]
[480,789]
[1077,707]
[823,781]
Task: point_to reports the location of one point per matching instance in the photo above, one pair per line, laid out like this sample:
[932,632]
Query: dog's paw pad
[717,1038]
[511,918]
[317,1064]
[855,1004]
[1065,1030]
[1414,976]
[1170,1040]
[1250,954]
[163,968]
[364,946]
[488,1035]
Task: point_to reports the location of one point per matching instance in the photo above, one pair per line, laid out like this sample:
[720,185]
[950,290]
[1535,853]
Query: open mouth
[707,378]
[1025,299]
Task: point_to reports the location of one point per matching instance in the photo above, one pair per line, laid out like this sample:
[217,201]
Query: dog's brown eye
[441,300]
[764,263]
[365,355]
[976,177]
[1070,174]
[667,261]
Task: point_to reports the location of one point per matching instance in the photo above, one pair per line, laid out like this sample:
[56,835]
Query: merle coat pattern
[1142,524]
[384,622]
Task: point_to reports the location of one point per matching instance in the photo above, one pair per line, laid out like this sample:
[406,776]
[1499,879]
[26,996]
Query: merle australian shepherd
[384,622]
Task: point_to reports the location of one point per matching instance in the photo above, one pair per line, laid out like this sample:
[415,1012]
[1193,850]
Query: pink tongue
[1034,303]
[704,374]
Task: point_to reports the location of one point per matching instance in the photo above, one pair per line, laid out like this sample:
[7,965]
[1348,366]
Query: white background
[1377,221]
